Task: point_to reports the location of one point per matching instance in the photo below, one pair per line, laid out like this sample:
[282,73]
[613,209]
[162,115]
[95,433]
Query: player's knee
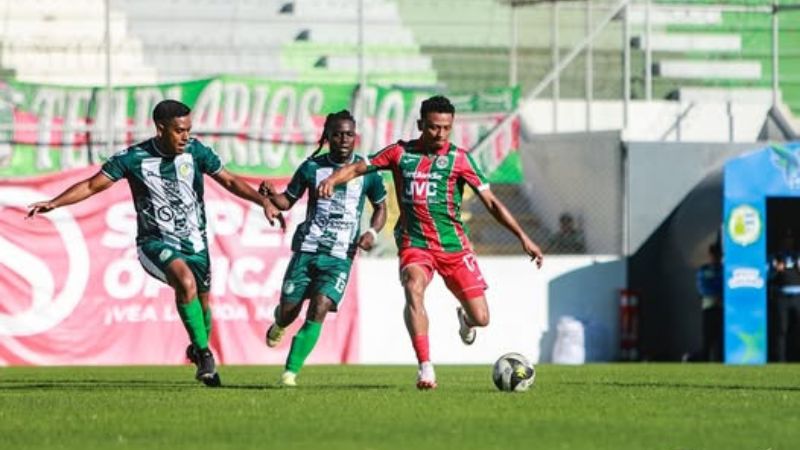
[319,308]
[414,285]
[187,286]
[480,318]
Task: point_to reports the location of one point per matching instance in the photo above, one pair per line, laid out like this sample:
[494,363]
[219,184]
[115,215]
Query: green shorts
[156,256]
[309,274]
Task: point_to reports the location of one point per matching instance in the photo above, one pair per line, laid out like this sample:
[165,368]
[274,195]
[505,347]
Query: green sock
[207,321]
[192,317]
[302,344]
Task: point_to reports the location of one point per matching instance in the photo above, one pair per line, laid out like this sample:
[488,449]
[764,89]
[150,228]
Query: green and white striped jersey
[167,191]
[332,224]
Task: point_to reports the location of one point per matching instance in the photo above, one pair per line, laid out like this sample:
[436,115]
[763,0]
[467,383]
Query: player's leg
[295,284]
[168,266]
[193,316]
[327,290]
[416,272]
[306,338]
[200,265]
[463,278]
[285,314]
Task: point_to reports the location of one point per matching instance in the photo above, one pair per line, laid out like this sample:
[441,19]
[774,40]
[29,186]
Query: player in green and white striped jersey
[326,243]
[165,175]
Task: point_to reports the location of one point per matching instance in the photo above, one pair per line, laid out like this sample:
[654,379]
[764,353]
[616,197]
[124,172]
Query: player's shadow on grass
[731,387]
[324,387]
[93,385]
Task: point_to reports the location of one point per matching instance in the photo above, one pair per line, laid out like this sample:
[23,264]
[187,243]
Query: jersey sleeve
[298,184]
[116,167]
[208,160]
[376,191]
[472,174]
[385,159]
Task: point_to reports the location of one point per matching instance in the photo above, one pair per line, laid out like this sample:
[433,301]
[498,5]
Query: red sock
[421,348]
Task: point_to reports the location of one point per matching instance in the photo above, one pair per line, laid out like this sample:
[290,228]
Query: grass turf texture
[615,406]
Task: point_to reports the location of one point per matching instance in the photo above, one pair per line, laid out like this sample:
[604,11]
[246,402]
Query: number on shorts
[341,282]
[469,261]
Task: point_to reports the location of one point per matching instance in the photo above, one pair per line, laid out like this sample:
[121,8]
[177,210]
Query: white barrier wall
[525,305]
[656,120]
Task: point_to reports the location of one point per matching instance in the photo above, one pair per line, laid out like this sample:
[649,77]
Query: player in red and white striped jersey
[429,176]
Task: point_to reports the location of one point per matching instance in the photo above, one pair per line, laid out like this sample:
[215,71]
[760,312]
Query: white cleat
[274,335]
[466,332]
[426,377]
[288,379]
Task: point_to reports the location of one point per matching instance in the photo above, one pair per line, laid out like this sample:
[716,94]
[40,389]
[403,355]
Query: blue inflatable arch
[749,181]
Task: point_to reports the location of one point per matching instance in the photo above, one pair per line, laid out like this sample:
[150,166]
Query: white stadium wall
[525,305]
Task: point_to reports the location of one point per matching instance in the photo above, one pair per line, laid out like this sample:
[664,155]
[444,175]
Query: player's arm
[241,189]
[281,200]
[340,176]
[504,217]
[376,223]
[73,194]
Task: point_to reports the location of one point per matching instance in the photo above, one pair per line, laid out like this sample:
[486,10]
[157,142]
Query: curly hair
[330,119]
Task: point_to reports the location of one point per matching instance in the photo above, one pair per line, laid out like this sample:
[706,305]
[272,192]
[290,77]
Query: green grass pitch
[602,406]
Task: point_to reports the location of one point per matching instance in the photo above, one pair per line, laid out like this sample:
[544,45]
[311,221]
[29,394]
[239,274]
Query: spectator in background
[709,287]
[785,289]
[568,238]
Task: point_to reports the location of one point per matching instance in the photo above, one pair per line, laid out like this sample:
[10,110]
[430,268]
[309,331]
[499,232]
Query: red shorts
[459,270]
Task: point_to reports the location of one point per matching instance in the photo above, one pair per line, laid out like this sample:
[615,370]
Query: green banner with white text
[258,126]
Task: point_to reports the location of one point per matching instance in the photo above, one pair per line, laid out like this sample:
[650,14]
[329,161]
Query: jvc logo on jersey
[420,188]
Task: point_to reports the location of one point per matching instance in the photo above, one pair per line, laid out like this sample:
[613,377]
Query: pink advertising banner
[72,291]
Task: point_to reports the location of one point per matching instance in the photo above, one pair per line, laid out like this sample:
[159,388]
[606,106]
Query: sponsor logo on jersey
[184,170]
[165,254]
[415,189]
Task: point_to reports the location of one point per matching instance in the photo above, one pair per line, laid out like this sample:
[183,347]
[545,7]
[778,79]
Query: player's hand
[272,214]
[325,188]
[533,251]
[366,241]
[39,208]
[266,188]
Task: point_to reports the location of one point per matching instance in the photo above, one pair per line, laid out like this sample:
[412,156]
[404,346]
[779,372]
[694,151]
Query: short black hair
[437,103]
[167,110]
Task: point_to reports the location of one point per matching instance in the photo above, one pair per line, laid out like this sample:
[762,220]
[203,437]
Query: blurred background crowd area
[557,91]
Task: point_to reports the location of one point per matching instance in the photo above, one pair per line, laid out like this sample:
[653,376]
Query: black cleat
[191,354]
[214,381]
[206,368]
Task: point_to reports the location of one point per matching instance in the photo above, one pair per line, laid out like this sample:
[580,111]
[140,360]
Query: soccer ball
[513,373]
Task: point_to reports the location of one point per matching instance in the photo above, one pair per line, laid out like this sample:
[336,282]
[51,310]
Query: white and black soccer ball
[513,373]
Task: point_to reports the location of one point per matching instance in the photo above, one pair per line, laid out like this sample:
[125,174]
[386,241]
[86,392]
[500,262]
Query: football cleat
[426,377]
[288,379]
[214,381]
[191,354]
[206,367]
[466,332]
[274,335]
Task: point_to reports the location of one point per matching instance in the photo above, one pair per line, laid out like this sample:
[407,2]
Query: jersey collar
[443,150]
[352,158]
[158,150]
